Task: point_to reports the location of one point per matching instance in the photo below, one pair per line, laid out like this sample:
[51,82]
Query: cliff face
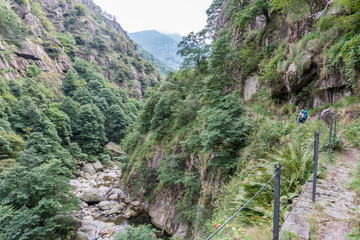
[264,52]
[56,32]
[299,47]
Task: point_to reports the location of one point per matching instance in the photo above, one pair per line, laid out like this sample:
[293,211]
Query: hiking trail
[336,204]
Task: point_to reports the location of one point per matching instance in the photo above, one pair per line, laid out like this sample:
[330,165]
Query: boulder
[89,168]
[92,195]
[135,203]
[98,166]
[75,183]
[81,236]
[114,148]
[115,209]
[104,205]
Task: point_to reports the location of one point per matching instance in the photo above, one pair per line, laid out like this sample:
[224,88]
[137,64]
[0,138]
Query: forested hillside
[197,144]
[67,71]
[160,45]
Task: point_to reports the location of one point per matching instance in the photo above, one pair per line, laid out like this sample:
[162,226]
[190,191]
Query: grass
[314,228]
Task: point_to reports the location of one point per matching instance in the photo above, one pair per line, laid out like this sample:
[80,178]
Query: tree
[33,200]
[194,49]
[26,118]
[71,82]
[71,108]
[212,14]
[116,123]
[94,86]
[90,131]
[80,10]
[62,124]
[83,96]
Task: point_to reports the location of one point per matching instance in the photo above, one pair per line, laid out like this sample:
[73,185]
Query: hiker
[302,115]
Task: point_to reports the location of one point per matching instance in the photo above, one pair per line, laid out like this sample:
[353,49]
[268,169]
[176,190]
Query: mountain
[162,46]
[177,37]
[71,81]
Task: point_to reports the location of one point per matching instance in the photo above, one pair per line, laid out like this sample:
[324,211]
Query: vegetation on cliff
[67,71]
[192,141]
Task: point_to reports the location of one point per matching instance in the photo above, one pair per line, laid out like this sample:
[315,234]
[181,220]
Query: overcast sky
[169,16]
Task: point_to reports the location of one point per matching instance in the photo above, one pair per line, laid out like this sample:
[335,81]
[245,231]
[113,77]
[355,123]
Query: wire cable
[222,226]
[299,155]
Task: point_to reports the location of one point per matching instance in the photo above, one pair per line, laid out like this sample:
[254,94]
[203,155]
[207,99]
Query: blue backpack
[304,114]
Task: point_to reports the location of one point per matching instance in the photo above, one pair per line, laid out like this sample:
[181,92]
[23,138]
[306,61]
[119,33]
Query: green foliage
[27,118]
[37,10]
[287,5]
[116,123]
[351,133]
[223,62]
[250,11]
[89,131]
[52,49]
[11,144]
[137,233]
[80,10]
[83,96]
[346,51]
[62,124]
[71,82]
[195,50]
[34,199]
[33,70]
[224,130]
[68,42]
[12,27]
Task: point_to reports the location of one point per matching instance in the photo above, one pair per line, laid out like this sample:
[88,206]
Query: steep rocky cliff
[53,33]
[296,41]
[192,135]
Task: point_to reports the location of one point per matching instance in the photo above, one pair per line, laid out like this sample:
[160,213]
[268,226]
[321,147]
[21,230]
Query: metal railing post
[276,217]
[316,154]
[330,138]
[328,116]
[335,129]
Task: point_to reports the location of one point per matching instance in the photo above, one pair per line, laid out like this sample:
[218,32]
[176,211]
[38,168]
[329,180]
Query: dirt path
[330,218]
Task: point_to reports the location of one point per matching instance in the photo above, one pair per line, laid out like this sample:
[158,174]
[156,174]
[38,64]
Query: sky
[167,16]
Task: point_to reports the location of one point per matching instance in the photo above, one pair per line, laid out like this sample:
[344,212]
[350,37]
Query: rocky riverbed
[105,208]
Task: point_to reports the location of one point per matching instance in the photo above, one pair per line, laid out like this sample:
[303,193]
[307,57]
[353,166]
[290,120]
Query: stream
[105,208]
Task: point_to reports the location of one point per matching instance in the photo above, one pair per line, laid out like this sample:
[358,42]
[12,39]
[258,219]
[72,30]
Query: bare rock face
[251,86]
[163,213]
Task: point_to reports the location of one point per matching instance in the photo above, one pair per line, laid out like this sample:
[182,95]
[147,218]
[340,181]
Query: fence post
[335,129]
[276,217]
[330,138]
[316,154]
[328,116]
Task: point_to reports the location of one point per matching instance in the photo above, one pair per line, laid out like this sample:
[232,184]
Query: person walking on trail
[302,116]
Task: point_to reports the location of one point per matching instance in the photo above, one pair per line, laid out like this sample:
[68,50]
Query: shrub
[52,49]
[12,27]
[137,233]
[80,10]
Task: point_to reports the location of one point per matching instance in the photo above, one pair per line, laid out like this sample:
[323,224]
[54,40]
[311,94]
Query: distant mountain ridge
[162,46]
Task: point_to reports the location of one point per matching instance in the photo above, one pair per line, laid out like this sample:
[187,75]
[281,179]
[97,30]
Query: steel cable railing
[229,220]
[298,155]
[248,202]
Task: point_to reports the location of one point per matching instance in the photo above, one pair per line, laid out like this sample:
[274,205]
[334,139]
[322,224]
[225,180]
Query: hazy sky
[169,16]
